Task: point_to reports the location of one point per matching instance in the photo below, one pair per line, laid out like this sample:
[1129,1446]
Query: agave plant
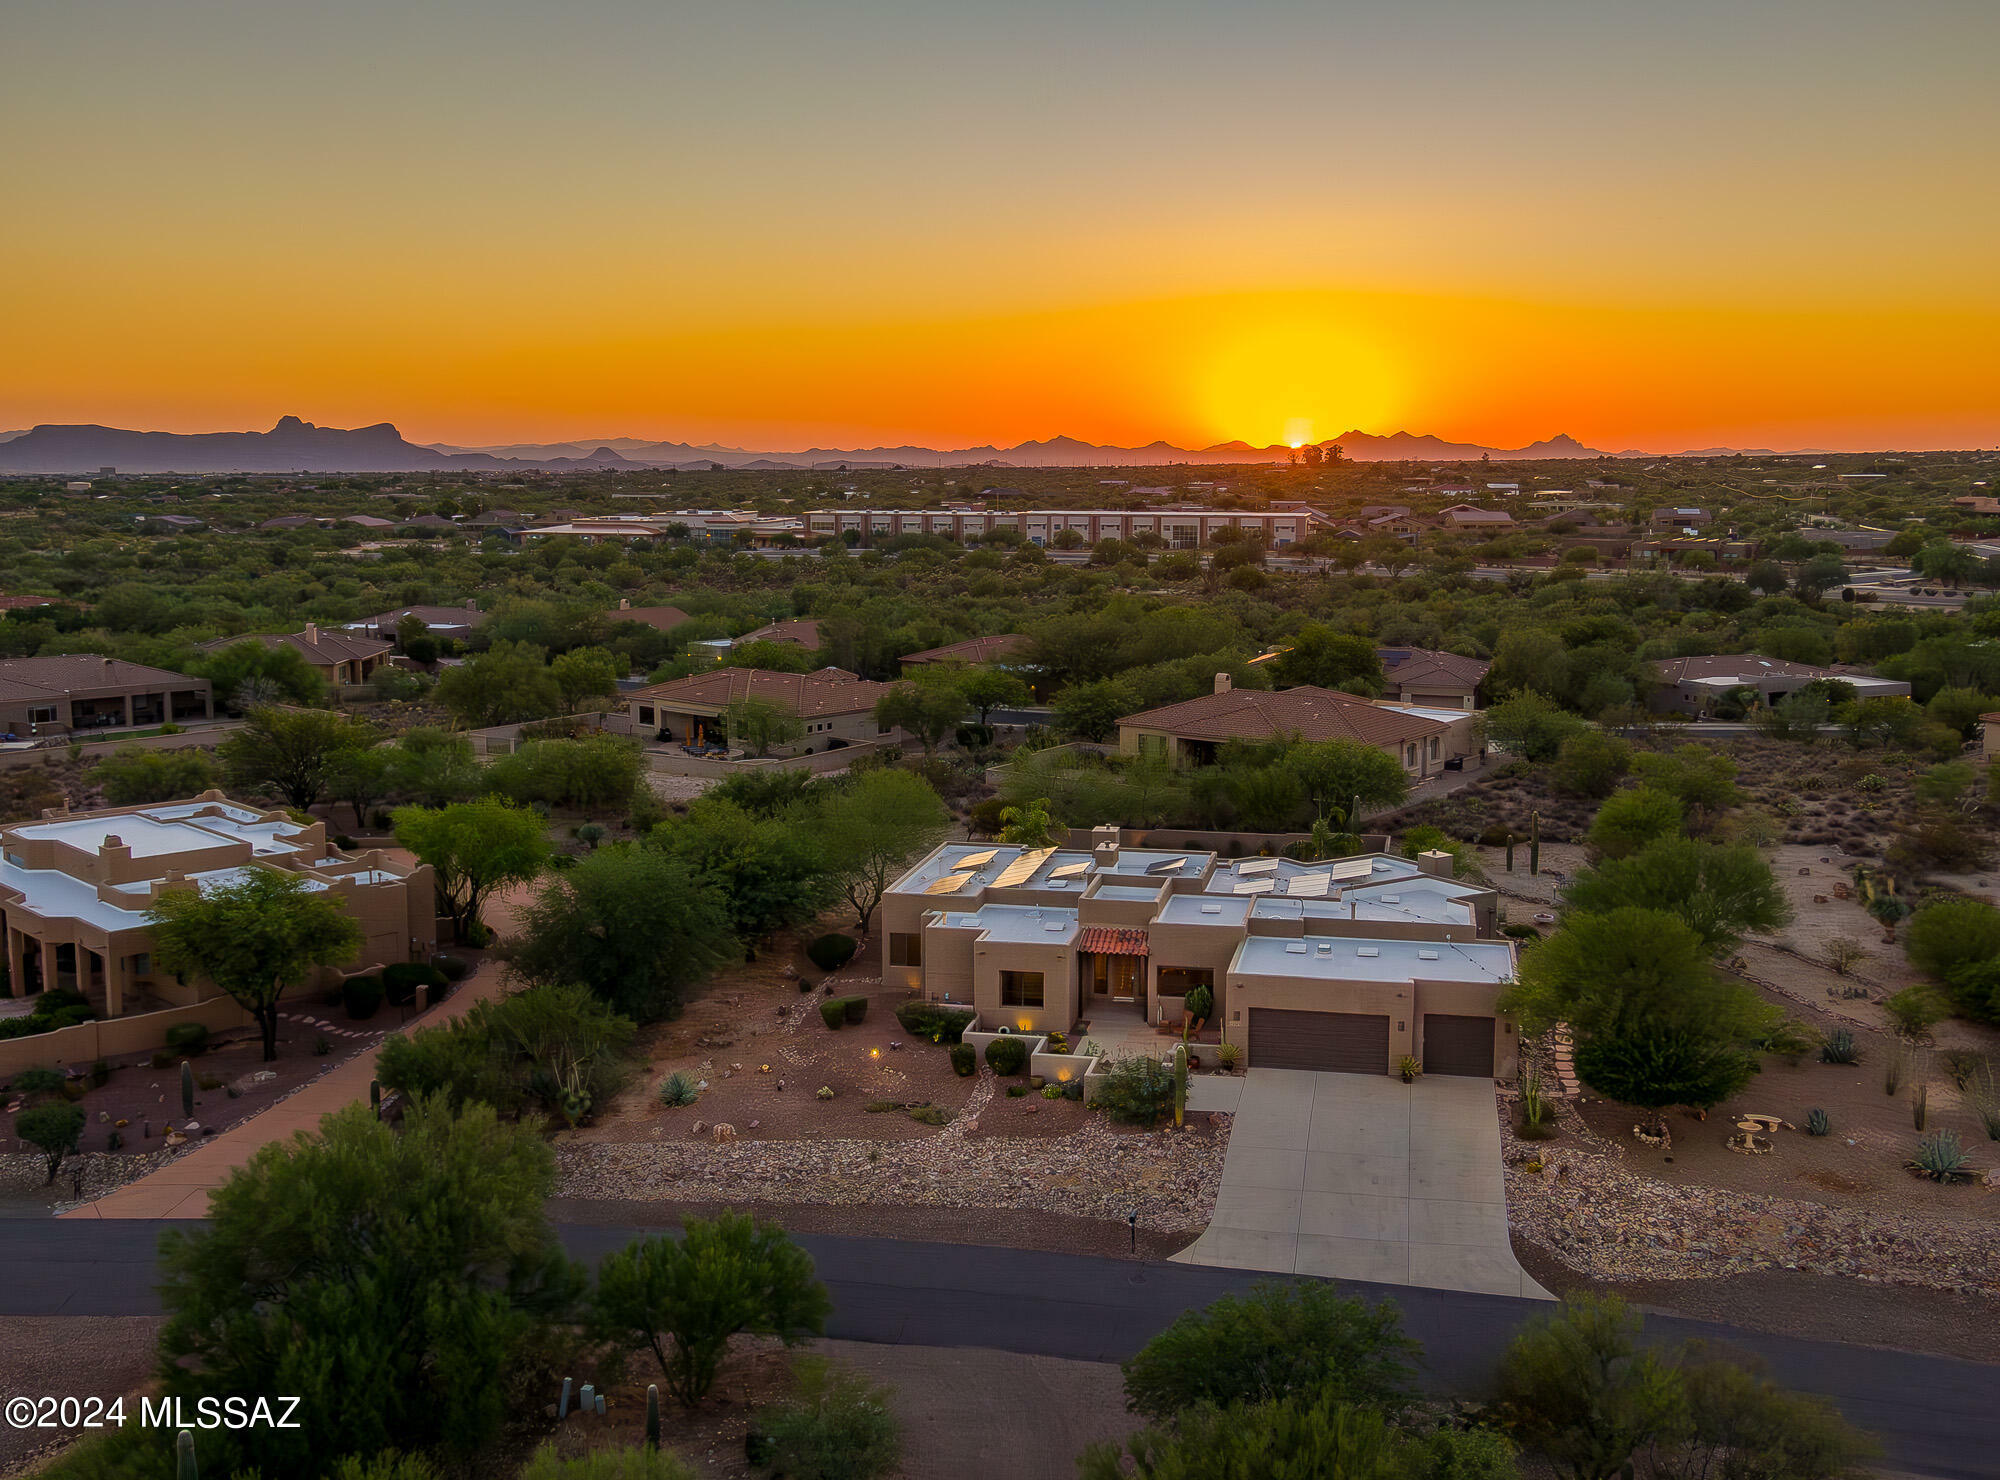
[1838,1048]
[1818,1122]
[1941,1158]
[679,1089]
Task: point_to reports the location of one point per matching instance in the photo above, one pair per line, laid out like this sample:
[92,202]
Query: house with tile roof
[1694,685]
[439,621]
[1424,741]
[974,650]
[659,618]
[835,707]
[1431,679]
[338,657]
[801,632]
[86,691]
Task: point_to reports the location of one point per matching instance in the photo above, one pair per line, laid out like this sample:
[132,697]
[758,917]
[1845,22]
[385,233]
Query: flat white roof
[1021,924]
[1350,960]
[144,836]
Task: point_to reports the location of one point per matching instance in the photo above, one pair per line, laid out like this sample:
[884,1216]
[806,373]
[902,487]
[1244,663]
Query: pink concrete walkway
[180,1189]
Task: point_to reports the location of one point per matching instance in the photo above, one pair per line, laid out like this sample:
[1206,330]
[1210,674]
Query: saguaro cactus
[187,1090]
[1535,843]
[184,1465]
[652,1415]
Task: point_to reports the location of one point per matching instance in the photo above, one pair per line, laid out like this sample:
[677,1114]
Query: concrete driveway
[1363,1177]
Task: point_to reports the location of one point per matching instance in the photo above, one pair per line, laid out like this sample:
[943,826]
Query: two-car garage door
[1358,1043]
[1345,1042]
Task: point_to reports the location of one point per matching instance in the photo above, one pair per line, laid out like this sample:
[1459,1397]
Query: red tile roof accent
[1110,940]
[805,695]
[1309,713]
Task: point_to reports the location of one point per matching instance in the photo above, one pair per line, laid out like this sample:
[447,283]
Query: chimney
[624,603]
[1436,863]
[312,633]
[1223,683]
[472,603]
[107,665]
[1104,844]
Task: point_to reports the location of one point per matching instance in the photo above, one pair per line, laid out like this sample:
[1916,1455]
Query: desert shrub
[856,1008]
[831,952]
[1942,1158]
[833,1011]
[836,1427]
[453,968]
[1788,1039]
[1578,1386]
[1913,1011]
[1276,1341]
[1007,1056]
[1952,933]
[361,995]
[928,1115]
[1962,1066]
[1525,930]
[401,979]
[679,1089]
[188,1039]
[921,1019]
[1199,1003]
[54,1130]
[1136,1091]
[964,1062]
[1838,1048]
[1228,1055]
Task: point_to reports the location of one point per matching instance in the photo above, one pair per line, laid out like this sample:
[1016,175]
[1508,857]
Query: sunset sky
[1649,223]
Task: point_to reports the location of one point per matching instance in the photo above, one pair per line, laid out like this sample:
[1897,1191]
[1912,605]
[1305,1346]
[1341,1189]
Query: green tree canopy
[474,848]
[634,925]
[1336,774]
[130,777]
[1632,818]
[1720,891]
[584,675]
[252,673]
[1578,1386]
[760,726]
[507,684]
[1091,711]
[872,828]
[399,1281]
[1530,726]
[1316,1436]
[1329,659]
[292,752]
[929,711]
[253,937]
[988,689]
[52,1129]
[684,1299]
[770,871]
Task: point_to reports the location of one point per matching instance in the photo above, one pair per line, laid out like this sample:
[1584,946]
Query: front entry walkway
[1363,1177]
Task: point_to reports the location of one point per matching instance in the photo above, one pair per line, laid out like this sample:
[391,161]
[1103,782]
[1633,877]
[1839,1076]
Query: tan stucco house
[1348,964]
[75,890]
[84,691]
[836,707]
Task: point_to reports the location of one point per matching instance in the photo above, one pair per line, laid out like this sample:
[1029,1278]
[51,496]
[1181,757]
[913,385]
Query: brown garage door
[1343,1041]
[1458,1045]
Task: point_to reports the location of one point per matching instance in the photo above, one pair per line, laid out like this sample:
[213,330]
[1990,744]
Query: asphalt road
[1935,1415]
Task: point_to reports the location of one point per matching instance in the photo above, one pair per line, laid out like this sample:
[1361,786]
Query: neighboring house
[439,621]
[1693,685]
[366,521]
[289,521]
[1424,741]
[1468,516]
[1977,503]
[75,891]
[836,708]
[659,618]
[168,523]
[337,657]
[1434,680]
[1681,518]
[974,650]
[1344,965]
[801,632]
[1174,529]
[1862,541]
[1721,549]
[1989,735]
[494,517]
[83,691]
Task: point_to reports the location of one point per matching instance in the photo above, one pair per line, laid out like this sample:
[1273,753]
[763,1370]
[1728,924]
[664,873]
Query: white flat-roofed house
[1694,685]
[1345,964]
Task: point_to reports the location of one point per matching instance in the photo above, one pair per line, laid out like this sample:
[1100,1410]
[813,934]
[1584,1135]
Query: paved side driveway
[1363,1177]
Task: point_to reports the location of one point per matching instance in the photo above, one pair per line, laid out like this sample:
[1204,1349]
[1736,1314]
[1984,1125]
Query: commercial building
[84,691]
[75,891]
[1350,964]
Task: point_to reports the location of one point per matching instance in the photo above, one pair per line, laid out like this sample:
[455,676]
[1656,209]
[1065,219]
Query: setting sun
[1271,377]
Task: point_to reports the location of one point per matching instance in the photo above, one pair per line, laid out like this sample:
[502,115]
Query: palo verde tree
[474,848]
[1720,891]
[929,711]
[759,725]
[683,1299]
[253,937]
[292,752]
[1654,1024]
[871,829]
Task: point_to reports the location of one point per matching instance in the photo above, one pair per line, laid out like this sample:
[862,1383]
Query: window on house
[1178,981]
[905,950]
[645,714]
[1410,751]
[42,714]
[1154,745]
[1434,747]
[1020,989]
[142,964]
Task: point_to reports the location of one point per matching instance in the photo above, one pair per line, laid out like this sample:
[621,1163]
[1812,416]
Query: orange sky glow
[878,223]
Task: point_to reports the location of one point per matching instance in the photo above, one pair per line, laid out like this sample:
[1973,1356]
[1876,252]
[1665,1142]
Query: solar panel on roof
[1070,870]
[977,860]
[1166,866]
[1023,868]
[1256,886]
[949,884]
[1351,868]
[1252,866]
[1309,886]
